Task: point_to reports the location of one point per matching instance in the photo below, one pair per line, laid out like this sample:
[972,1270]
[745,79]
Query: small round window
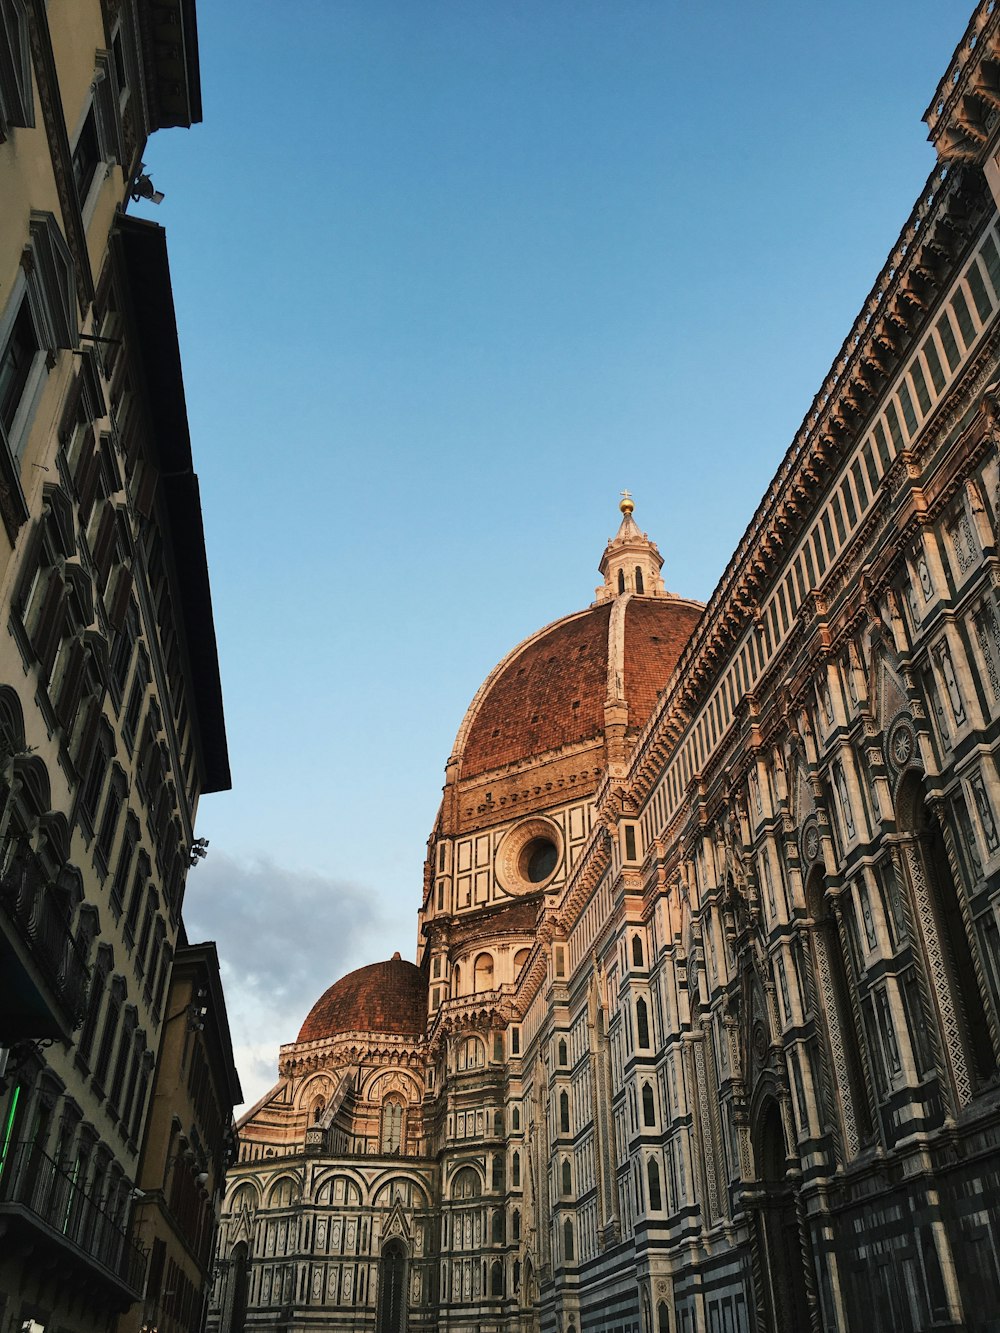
[538,860]
[529,855]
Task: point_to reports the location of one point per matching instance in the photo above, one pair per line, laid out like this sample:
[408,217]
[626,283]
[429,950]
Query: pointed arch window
[642,1022]
[515,1170]
[564,1113]
[567,1177]
[637,954]
[391,1136]
[648,1106]
[639,586]
[392,1289]
[569,1249]
[238,1285]
[653,1179]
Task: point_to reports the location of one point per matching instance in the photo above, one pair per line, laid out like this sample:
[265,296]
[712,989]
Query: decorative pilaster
[838,1049]
[946,1005]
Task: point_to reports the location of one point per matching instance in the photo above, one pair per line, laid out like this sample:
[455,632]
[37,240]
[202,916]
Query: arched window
[392,1289]
[642,1022]
[391,1137]
[568,1251]
[637,960]
[470,1054]
[515,1117]
[648,1107]
[283,1193]
[520,958]
[517,1275]
[515,1170]
[456,980]
[515,1224]
[484,972]
[498,1123]
[562,1054]
[653,1178]
[639,587]
[496,1279]
[497,1227]
[621,580]
[237,1289]
[497,1171]
[567,1177]
[466,1184]
[564,1113]
[662,1318]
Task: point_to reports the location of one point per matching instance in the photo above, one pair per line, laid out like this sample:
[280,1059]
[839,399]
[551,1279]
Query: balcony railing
[37,1194]
[31,902]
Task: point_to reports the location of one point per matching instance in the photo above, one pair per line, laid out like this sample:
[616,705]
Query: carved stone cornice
[963,110]
[952,202]
[350,1048]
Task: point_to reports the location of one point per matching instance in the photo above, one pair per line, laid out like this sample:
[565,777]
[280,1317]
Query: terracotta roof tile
[382,997]
[656,630]
[550,694]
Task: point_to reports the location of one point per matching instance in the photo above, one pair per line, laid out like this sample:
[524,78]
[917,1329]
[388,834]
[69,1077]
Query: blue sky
[449,275]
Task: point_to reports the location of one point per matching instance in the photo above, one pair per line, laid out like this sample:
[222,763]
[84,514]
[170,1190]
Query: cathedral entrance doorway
[782,1276]
[392,1289]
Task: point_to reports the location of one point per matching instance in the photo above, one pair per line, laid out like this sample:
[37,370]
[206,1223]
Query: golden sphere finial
[627,503]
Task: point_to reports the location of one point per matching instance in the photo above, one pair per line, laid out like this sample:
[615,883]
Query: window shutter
[87,473]
[104,546]
[50,622]
[68,420]
[147,489]
[72,690]
[88,737]
[122,596]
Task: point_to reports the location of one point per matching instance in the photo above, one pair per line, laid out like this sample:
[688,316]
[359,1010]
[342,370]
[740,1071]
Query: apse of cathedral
[702,1033]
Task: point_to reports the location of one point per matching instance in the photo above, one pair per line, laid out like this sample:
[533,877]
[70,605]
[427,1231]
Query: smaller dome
[388,997]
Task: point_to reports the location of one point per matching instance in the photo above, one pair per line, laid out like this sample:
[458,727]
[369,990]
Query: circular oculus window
[528,856]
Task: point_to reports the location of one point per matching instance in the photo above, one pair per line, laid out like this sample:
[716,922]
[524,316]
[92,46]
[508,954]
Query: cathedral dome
[388,997]
[554,689]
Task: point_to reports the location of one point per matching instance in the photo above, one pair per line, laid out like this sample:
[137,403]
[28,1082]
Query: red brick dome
[388,997]
[551,690]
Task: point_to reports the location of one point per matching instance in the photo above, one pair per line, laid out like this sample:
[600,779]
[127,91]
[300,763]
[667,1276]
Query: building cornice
[962,115]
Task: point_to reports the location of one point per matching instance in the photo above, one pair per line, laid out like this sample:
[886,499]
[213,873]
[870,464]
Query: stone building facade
[187,1147]
[111,722]
[708,932]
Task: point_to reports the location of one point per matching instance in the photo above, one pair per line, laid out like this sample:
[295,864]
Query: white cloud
[283,936]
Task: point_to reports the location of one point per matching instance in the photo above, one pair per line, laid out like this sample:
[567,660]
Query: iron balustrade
[33,904]
[36,1190]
